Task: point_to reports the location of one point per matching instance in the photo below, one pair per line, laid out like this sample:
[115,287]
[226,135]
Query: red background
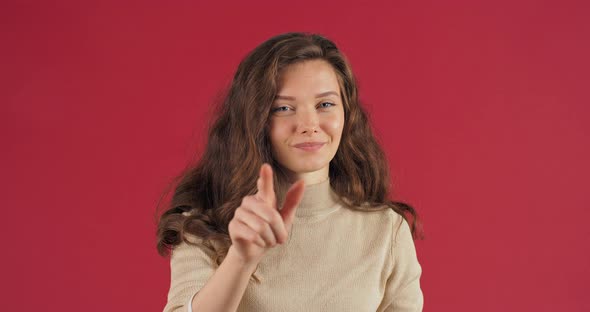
[482,108]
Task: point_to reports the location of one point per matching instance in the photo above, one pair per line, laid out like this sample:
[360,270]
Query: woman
[287,209]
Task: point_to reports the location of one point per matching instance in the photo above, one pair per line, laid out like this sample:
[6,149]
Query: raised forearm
[226,287]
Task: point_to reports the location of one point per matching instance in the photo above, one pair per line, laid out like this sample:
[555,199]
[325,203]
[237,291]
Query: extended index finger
[266,185]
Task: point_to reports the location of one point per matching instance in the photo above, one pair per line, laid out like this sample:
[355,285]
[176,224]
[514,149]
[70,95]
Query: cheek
[334,124]
[278,132]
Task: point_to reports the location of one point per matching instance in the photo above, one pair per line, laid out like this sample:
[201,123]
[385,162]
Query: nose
[307,122]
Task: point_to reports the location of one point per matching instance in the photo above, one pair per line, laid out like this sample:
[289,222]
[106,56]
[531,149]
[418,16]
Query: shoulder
[193,244]
[396,222]
[382,219]
[383,213]
[388,221]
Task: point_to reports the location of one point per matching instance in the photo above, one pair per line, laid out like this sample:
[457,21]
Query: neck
[318,199]
[310,178]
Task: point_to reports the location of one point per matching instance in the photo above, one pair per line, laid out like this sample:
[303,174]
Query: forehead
[313,76]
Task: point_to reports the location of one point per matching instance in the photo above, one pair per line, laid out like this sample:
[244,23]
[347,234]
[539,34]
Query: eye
[322,104]
[279,109]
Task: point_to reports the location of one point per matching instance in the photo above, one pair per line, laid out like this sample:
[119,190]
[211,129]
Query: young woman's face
[308,109]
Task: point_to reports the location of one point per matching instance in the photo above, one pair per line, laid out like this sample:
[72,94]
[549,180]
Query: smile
[310,147]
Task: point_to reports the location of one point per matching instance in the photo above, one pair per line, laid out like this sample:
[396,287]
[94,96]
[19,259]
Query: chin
[301,166]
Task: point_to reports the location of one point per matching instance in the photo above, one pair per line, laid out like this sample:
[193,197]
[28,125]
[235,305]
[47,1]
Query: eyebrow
[292,98]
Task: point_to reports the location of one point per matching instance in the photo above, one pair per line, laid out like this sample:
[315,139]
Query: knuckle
[258,226]
[234,228]
[275,217]
[249,200]
[252,237]
[238,213]
[244,236]
[264,212]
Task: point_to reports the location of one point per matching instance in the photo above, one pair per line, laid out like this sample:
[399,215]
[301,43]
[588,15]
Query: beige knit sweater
[336,259]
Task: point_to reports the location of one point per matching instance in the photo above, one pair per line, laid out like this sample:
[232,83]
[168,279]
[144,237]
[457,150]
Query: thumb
[292,200]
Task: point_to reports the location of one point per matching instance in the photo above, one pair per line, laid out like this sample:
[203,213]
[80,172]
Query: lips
[309,144]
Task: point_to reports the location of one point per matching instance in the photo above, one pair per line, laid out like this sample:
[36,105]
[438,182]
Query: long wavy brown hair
[207,193]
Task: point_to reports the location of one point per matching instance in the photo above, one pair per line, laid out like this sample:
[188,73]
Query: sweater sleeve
[402,291]
[190,268]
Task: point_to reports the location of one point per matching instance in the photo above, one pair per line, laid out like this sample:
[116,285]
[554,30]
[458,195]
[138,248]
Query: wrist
[248,266]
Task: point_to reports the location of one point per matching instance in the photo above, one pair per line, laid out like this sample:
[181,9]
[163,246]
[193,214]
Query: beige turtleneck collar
[318,199]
